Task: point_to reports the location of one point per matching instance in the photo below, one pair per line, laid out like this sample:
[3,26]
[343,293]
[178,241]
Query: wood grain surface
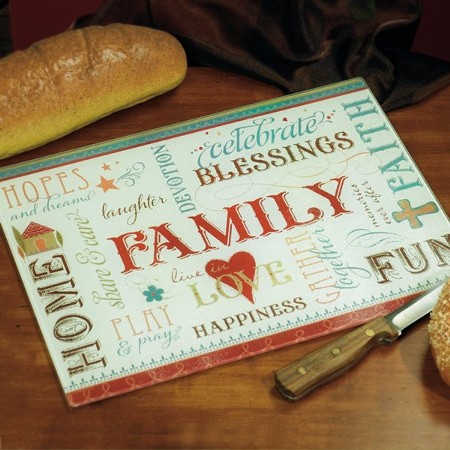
[394,399]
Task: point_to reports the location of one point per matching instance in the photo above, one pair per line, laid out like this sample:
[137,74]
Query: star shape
[106,184]
[106,167]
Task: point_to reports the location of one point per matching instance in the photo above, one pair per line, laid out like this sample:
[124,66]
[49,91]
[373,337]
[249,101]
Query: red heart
[238,273]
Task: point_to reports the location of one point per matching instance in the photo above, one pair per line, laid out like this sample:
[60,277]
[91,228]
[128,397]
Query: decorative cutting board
[179,249]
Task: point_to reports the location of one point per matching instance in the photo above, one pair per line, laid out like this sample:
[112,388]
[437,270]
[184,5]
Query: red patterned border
[240,351]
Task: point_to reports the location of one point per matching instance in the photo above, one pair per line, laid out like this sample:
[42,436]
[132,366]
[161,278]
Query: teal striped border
[171,131]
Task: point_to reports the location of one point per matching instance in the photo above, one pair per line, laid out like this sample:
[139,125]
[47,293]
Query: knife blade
[336,357]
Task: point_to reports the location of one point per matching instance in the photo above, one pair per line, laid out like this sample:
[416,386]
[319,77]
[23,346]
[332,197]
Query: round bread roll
[439,329]
[67,81]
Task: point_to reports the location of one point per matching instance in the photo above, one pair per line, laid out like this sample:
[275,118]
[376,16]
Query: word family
[130,243]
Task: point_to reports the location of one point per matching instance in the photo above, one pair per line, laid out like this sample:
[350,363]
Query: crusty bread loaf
[67,81]
[439,328]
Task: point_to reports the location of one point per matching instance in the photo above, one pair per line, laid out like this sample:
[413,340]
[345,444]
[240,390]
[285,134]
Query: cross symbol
[411,214]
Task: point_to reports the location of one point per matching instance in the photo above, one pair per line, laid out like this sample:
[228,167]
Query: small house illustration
[37,238]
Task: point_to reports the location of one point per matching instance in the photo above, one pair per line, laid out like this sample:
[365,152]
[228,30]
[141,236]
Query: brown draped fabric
[297,44]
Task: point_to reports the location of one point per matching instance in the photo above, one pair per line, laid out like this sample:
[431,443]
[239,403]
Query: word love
[240,274]
[243,221]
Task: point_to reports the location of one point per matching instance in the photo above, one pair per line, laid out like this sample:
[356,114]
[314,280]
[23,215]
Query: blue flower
[153,293]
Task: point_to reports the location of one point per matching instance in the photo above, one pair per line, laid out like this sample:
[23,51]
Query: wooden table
[394,399]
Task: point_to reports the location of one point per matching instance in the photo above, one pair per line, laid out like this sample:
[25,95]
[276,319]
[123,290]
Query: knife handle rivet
[301,370]
[369,332]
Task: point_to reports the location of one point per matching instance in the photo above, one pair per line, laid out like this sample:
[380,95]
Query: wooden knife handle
[333,359]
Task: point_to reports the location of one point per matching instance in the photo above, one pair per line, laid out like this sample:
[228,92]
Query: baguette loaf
[439,328]
[67,81]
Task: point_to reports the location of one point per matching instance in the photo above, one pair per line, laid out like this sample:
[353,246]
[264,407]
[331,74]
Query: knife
[336,357]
